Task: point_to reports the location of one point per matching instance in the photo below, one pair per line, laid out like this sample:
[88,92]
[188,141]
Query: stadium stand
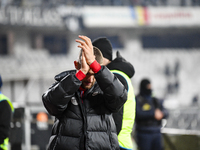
[48,3]
[27,72]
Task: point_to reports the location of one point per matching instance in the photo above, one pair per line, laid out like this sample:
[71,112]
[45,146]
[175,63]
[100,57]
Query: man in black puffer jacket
[82,102]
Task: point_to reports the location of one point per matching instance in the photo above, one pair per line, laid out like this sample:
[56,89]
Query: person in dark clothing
[149,113]
[123,70]
[6,110]
[82,102]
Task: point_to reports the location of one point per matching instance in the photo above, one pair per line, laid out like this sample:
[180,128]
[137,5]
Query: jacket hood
[144,90]
[119,63]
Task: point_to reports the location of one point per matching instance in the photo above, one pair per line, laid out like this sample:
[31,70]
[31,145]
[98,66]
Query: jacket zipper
[60,127]
[82,107]
[85,126]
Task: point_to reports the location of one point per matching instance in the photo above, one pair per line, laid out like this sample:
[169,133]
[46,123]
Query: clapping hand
[84,66]
[87,47]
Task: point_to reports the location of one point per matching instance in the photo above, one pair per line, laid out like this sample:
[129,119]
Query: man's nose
[90,79]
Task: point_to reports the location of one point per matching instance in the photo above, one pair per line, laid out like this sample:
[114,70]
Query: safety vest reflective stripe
[4,145]
[124,137]
[3,97]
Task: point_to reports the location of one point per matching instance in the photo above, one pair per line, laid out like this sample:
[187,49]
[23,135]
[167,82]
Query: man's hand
[158,114]
[87,48]
[84,66]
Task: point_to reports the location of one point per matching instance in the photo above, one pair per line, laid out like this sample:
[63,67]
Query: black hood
[119,63]
[143,87]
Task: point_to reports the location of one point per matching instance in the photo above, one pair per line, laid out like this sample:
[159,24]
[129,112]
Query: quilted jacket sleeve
[114,92]
[57,97]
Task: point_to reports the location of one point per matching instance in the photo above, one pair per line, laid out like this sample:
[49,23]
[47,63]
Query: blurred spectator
[149,113]
[6,109]
[172,77]
[124,118]
[167,71]
[195,100]
[176,68]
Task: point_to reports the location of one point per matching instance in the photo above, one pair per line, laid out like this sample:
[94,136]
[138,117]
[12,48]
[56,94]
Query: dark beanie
[1,83]
[105,47]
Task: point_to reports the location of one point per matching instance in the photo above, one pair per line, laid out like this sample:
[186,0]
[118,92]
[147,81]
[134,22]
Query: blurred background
[161,38]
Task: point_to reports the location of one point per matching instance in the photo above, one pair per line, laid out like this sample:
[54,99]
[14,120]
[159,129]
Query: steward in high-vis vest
[6,111]
[126,116]
[124,119]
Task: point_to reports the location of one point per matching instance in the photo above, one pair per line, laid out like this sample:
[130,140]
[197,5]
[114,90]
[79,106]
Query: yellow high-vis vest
[4,145]
[124,136]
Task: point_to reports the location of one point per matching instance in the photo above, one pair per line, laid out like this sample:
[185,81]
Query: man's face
[148,86]
[89,80]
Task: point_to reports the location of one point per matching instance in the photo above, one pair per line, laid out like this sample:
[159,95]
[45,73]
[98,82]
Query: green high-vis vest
[124,136]
[4,145]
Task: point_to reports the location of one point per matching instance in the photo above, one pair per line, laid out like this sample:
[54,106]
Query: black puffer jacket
[84,123]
